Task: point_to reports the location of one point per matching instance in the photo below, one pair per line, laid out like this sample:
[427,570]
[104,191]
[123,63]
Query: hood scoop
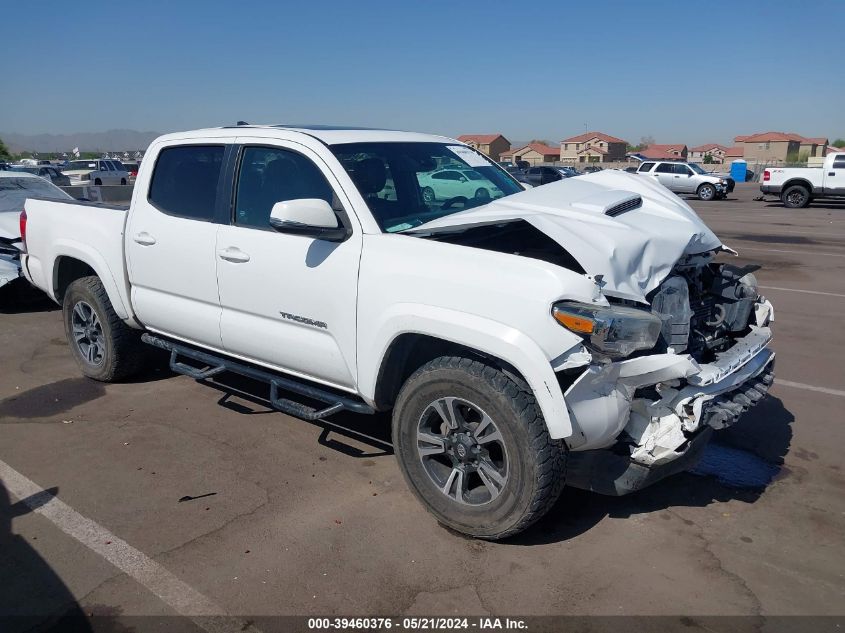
[612,202]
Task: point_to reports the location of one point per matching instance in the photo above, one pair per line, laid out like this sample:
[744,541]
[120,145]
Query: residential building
[665,152]
[491,144]
[714,150]
[732,153]
[533,154]
[780,147]
[592,147]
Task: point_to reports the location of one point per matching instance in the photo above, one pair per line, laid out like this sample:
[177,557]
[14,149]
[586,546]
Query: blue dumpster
[738,169]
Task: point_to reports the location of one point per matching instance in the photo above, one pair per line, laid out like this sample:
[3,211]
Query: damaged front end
[650,415]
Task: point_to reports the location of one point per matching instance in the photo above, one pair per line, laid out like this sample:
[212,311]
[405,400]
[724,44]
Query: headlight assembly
[613,331]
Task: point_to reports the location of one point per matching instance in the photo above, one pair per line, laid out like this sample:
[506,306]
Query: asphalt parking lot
[284,516]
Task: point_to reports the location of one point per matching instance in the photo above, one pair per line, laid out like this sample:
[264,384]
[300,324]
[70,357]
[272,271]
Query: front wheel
[103,346]
[795,197]
[474,448]
[428,195]
[706,192]
[123,181]
[98,182]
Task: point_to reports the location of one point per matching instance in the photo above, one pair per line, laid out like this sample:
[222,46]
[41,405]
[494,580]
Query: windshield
[697,168]
[408,184]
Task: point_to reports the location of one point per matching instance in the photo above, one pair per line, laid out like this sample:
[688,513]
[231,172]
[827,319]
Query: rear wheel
[474,448]
[123,181]
[104,347]
[706,192]
[795,197]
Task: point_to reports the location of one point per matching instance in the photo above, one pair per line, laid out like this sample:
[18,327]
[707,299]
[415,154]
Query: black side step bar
[214,365]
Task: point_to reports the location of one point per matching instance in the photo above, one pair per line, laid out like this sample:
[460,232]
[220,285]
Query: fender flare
[93,258]
[485,335]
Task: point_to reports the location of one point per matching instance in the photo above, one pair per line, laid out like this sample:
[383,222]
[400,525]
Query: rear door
[288,301]
[665,173]
[171,239]
[684,182]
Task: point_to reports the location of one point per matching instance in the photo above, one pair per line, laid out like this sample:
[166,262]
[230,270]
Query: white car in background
[97,172]
[15,188]
[446,184]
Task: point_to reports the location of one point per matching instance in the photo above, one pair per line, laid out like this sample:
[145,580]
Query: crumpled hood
[633,251]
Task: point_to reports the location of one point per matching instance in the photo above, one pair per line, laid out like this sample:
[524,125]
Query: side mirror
[309,217]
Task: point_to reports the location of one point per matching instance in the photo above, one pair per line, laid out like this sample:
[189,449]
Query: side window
[683,170]
[534,171]
[109,165]
[185,180]
[839,162]
[646,167]
[665,168]
[271,175]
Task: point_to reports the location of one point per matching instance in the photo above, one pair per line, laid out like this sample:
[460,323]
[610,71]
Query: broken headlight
[613,331]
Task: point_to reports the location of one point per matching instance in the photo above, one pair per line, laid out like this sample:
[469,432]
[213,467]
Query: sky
[680,72]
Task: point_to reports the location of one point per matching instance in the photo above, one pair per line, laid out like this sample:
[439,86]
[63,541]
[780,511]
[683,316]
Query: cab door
[288,301]
[171,238]
[834,178]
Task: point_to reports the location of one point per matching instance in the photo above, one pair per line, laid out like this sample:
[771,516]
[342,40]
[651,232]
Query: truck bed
[59,232]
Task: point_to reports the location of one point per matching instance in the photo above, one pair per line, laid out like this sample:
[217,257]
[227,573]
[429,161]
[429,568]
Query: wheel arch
[73,262]
[797,181]
[407,341]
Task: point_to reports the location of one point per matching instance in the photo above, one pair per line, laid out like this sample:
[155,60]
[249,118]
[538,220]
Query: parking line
[177,594]
[775,250]
[801,385]
[808,292]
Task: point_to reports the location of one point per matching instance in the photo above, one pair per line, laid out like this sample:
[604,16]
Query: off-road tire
[124,352]
[536,463]
[706,192]
[795,197]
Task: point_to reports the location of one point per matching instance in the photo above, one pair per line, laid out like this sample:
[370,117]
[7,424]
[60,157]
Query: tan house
[533,154]
[592,147]
[733,153]
[491,144]
[780,147]
[714,150]
[665,152]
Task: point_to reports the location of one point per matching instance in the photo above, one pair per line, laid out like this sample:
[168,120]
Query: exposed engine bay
[704,308]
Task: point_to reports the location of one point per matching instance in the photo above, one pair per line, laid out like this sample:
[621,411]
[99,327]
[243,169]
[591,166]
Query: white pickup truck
[798,186]
[579,332]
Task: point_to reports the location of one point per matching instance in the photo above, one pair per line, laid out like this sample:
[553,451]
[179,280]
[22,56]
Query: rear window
[82,164]
[665,168]
[646,166]
[185,181]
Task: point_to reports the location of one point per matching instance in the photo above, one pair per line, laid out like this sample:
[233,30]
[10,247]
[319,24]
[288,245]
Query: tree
[708,159]
[840,142]
[5,154]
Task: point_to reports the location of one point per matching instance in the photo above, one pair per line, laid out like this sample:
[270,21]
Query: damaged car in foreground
[582,332]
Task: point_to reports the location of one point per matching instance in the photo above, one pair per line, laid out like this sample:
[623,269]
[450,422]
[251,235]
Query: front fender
[490,337]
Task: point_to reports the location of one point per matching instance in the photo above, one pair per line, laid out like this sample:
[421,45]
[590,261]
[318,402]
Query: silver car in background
[687,178]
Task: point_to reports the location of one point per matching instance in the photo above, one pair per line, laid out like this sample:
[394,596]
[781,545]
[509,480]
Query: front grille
[623,207]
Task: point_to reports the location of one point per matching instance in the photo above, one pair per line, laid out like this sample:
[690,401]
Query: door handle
[144,239]
[233,254]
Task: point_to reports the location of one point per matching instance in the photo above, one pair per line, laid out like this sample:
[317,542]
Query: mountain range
[110,141]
